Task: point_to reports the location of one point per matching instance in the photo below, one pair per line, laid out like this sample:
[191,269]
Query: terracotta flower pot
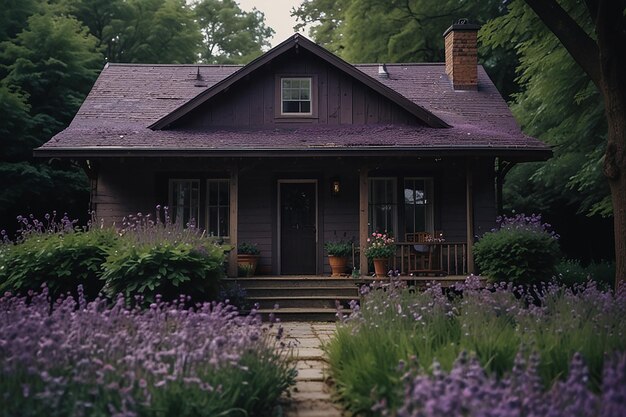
[338,265]
[381,267]
[247,263]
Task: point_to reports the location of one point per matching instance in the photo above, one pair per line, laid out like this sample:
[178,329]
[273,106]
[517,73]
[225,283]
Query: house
[299,147]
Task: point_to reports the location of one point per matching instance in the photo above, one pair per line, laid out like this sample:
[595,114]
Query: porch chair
[421,254]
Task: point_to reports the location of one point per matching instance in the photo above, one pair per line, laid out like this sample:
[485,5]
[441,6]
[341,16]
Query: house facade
[298,148]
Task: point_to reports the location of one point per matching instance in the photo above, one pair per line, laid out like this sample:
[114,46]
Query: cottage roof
[130,107]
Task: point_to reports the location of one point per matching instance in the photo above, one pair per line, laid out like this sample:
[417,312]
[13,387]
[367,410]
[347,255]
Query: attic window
[295,96]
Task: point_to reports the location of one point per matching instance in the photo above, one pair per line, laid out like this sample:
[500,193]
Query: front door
[298,228]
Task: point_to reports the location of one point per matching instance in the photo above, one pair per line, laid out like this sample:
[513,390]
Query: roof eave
[513,154]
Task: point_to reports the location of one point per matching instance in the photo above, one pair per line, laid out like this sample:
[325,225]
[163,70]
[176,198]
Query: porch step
[311,301]
[303,298]
[303,314]
[281,292]
[307,282]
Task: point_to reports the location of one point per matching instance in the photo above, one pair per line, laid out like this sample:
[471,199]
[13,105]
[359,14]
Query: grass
[397,326]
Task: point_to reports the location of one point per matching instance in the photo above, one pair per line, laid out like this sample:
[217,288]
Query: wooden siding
[255,100]
[128,186]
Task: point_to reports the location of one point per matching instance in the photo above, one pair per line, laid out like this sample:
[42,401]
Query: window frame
[278,99]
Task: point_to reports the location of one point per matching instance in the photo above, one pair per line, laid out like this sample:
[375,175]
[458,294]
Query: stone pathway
[311,395]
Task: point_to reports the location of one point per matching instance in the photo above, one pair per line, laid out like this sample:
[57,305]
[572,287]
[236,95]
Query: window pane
[224,199]
[223,221]
[304,94]
[287,83]
[305,106]
[213,222]
[290,107]
[212,193]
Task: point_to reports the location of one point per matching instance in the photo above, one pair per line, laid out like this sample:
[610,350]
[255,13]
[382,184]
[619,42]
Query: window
[418,205]
[205,201]
[217,207]
[184,201]
[295,96]
[382,205]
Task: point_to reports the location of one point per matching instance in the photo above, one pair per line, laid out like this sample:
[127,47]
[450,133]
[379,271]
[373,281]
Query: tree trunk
[613,86]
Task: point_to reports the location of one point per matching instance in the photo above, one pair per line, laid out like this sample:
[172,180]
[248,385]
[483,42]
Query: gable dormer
[296,83]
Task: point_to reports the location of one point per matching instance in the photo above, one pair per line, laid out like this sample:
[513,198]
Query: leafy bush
[61,261]
[571,272]
[398,326]
[166,268]
[246,248]
[103,360]
[339,248]
[522,250]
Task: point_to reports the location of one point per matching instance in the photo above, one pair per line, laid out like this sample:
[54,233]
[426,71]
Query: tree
[47,70]
[401,31]
[141,31]
[230,35]
[559,104]
[602,56]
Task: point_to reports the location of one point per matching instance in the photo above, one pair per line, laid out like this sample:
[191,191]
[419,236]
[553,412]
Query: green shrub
[166,268]
[339,248]
[571,272]
[246,248]
[61,261]
[521,251]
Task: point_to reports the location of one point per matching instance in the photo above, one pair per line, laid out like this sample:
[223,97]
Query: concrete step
[303,314]
[307,282]
[288,291]
[304,302]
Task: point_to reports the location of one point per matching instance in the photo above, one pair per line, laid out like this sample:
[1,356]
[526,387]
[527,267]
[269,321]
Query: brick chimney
[462,55]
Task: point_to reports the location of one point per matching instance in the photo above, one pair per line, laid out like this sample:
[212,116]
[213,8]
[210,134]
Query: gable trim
[298,40]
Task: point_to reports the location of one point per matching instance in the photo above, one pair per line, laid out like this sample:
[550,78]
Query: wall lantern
[335,186]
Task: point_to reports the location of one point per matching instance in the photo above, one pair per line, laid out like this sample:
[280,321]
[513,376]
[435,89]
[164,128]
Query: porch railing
[446,258]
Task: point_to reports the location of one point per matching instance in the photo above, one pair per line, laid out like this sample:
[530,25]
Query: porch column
[469,192]
[363,219]
[233,219]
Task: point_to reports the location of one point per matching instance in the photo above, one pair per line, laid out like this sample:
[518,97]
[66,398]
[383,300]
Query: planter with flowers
[247,258]
[380,248]
[338,254]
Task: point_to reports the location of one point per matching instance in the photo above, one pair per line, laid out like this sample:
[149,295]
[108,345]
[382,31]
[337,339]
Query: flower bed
[101,359]
[395,327]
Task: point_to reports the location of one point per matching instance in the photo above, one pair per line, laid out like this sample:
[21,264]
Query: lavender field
[500,351]
[101,359]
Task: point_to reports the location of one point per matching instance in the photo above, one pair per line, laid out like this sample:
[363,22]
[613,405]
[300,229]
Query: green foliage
[559,104]
[246,248]
[571,272]
[168,268]
[230,35]
[398,326]
[61,261]
[400,31]
[339,248]
[520,255]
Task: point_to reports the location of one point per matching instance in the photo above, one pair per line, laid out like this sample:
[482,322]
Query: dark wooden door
[297,228]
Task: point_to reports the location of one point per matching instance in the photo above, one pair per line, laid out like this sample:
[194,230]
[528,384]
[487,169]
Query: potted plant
[338,254]
[247,258]
[380,248]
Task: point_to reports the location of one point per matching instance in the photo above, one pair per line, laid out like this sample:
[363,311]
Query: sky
[277,16]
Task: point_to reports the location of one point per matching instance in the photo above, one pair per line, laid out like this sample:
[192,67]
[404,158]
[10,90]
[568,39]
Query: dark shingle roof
[126,99]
